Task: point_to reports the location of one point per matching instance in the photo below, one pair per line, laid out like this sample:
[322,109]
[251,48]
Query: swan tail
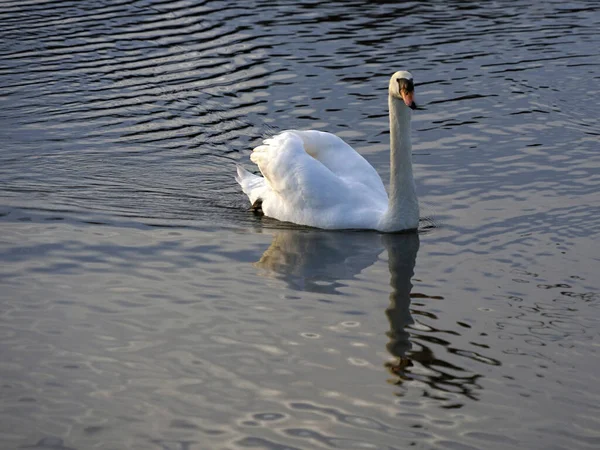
[252,185]
[279,158]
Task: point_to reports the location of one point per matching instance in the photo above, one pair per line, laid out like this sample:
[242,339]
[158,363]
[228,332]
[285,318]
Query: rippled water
[142,306]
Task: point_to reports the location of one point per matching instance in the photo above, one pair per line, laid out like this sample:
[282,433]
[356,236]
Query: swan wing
[339,157]
[313,191]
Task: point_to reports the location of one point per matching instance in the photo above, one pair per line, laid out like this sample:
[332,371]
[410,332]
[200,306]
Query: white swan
[314,178]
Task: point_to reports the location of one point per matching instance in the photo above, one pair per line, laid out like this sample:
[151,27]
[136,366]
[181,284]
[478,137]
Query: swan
[314,178]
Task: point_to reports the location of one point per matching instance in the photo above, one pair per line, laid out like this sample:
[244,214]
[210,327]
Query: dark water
[143,307]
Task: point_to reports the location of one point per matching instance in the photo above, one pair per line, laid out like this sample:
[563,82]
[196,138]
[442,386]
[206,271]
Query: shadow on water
[321,262]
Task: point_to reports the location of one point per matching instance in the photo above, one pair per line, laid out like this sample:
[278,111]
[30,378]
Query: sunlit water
[143,307]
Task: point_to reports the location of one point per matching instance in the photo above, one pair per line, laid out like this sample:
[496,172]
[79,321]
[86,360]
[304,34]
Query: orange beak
[409,99]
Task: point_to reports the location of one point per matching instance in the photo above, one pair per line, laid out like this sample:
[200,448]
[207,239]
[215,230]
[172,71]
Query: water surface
[142,306]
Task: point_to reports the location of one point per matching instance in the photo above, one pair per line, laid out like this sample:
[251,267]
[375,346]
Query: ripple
[144,306]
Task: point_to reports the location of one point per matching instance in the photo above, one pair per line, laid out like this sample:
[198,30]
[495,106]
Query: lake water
[144,307]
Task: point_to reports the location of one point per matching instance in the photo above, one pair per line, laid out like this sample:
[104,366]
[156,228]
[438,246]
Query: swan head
[403,88]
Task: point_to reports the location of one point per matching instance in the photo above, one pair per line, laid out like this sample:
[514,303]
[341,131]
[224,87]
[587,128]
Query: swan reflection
[321,261]
[402,255]
[318,261]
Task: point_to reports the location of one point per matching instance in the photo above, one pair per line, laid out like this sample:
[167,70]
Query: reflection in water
[320,261]
[441,375]
[402,254]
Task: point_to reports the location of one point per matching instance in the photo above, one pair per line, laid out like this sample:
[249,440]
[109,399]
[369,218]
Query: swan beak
[409,99]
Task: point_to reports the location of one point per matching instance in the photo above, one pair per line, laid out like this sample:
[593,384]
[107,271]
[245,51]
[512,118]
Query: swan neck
[403,211]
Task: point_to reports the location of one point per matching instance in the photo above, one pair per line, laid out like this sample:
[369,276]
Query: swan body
[314,178]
